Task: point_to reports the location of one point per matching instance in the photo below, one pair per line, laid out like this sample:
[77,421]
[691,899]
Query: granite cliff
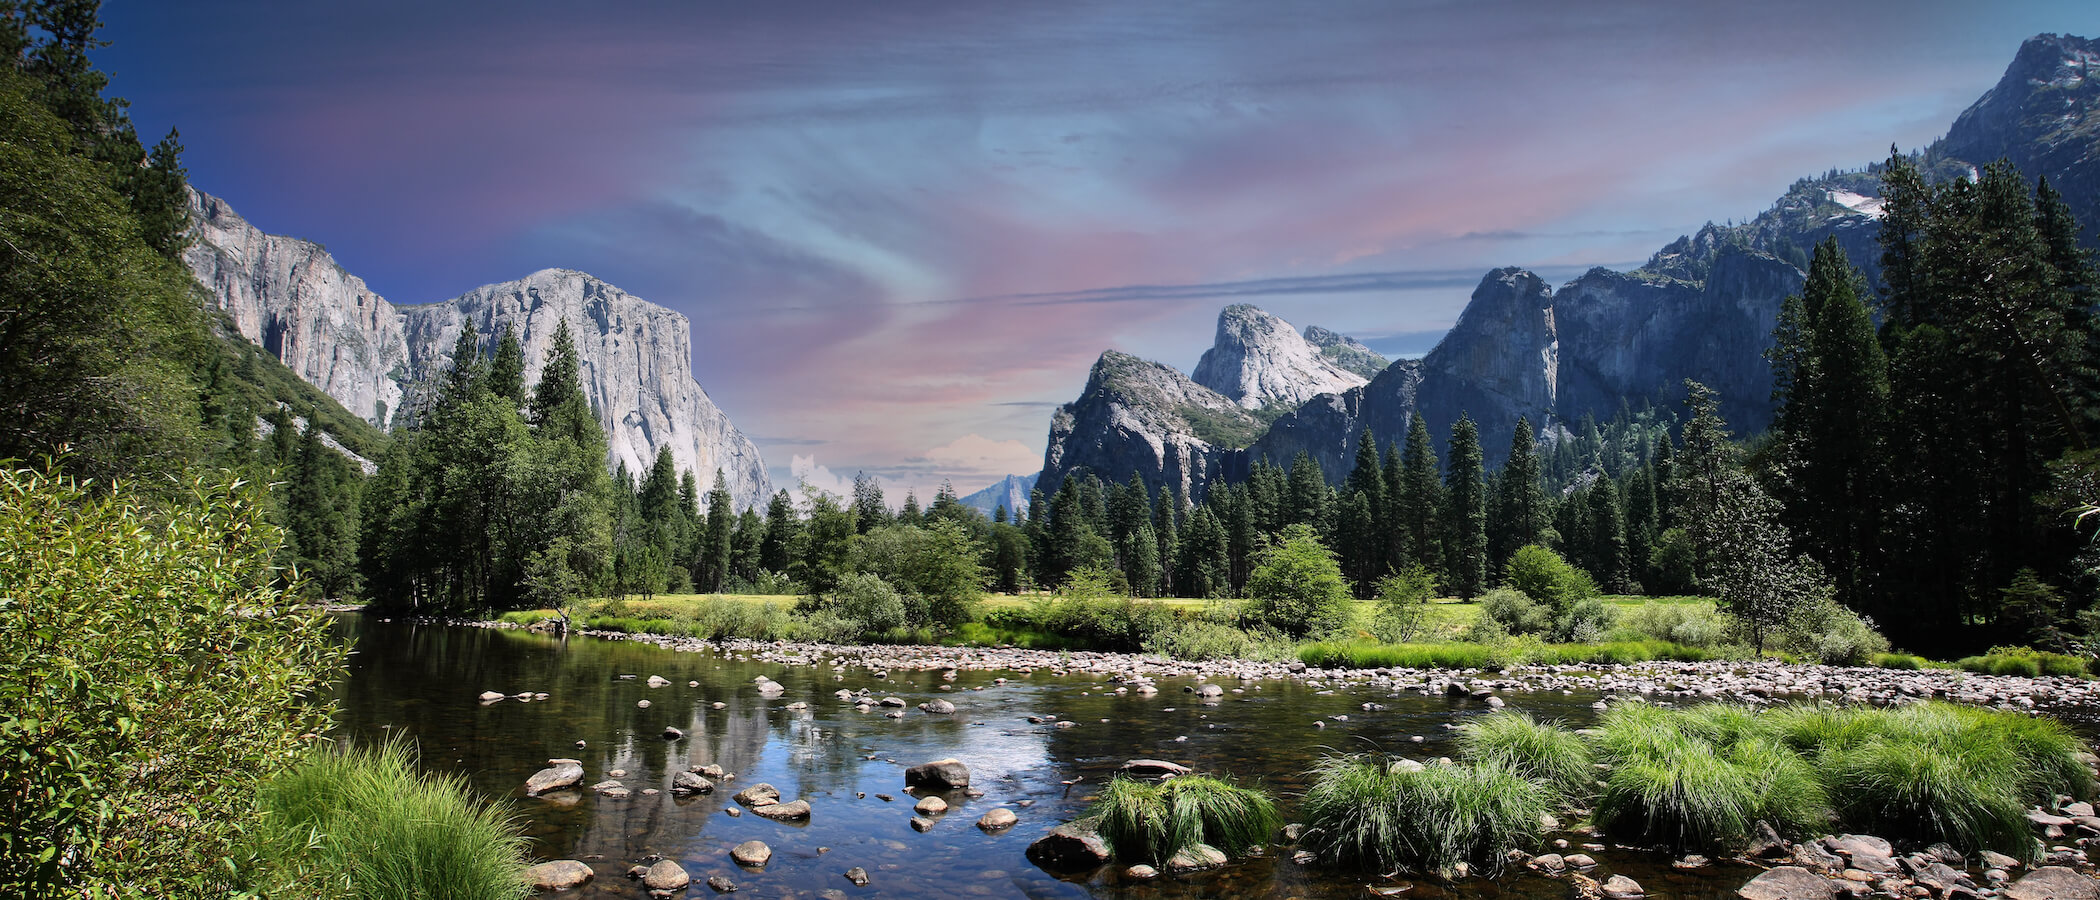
[290,297]
[1258,360]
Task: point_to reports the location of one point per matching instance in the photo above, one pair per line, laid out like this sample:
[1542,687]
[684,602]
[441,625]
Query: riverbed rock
[2054,883]
[690,783]
[1787,883]
[492,696]
[721,884]
[657,681]
[559,875]
[1195,858]
[858,876]
[921,824]
[1071,847]
[1155,768]
[997,818]
[1209,692]
[940,775]
[937,707]
[560,773]
[713,771]
[673,734]
[754,854]
[1620,887]
[791,811]
[930,806]
[757,795]
[666,877]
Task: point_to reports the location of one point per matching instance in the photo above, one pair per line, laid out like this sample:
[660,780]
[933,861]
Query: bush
[1401,602]
[1198,640]
[1825,631]
[869,600]
[1587,621]
[1153,821]
[365,825]
[1903,661]
[1547,754]
[1690,624]
[1515,612]
[153,671]
[1384,813]
[1297,588]
[1544,576]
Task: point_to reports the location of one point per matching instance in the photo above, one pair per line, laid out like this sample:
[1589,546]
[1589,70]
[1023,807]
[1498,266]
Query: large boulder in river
[690,783]
[1071,847]
[1787,883]
[666,877]
[2054,883]
[559,875]
[940,775]
[560,773]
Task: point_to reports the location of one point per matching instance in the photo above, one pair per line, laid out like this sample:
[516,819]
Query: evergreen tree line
[1932,438]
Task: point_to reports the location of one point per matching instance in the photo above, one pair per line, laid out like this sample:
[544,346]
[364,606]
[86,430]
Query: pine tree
[717,545]
[1421,499]
[1607,537]
[869,510]
[1465,513]
[776,552]
[1517,515]
[1306,494]
[507,368]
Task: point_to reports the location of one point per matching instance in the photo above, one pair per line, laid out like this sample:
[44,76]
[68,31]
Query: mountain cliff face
[1347,352]
[1258,360]
[1143,417]
[2044,115]
[290,297]
[1703,307]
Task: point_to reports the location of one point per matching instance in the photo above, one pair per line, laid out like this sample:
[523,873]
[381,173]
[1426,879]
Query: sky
[903,231]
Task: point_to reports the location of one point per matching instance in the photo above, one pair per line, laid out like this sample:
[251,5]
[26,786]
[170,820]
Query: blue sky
[904,230]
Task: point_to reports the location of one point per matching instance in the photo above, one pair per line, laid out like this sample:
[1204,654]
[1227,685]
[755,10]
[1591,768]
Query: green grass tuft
[366,824]
[1382,812]
[1897,661]
[1152,821]
[1701,778]
[1544,753]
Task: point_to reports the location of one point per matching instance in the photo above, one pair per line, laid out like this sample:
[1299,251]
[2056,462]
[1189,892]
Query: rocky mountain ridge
[290,297]
[1703,307]
[1259,360]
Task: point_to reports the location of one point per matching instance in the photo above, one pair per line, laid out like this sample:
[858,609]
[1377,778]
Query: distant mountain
[1703,307]
[289,297]
[1143,417]
[1010,492]
[1346,352]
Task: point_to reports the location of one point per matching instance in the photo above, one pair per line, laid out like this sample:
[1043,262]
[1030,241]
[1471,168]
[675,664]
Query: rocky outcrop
[291,298]
[1347,352]
[1258,360]
[1143,417]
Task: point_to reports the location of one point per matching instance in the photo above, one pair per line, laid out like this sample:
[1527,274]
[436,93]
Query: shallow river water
[423,680]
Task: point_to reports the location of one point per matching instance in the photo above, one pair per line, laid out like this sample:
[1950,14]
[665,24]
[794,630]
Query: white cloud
[968,463]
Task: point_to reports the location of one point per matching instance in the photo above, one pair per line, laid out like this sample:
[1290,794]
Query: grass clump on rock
[1372,810]
[1153,821]
[1539,751]
[365,824]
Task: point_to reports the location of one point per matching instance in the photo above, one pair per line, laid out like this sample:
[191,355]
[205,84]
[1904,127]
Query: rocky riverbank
[1754,682]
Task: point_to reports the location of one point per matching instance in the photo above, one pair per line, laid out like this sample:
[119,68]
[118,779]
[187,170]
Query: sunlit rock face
[291,298]
[1258,359]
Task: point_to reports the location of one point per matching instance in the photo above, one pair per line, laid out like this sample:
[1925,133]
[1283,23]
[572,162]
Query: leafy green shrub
[1515,612]
[152,672]
[1825,631]
[1297,587]
[1553,756]
[1690,624]
[869,600]
[1198,640]
[364,824]
[1401,602]
[1383,813]
[1542,575]
[1152,821]
[1585,622]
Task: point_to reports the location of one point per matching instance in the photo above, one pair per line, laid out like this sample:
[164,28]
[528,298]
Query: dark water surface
[423,680]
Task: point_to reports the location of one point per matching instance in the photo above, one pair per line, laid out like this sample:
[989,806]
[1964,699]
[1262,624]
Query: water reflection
[423,680]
